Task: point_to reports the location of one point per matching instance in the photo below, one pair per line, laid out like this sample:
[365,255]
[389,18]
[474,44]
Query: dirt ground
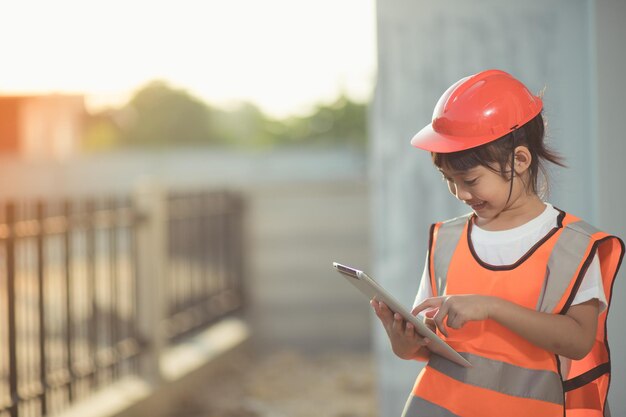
[285,383]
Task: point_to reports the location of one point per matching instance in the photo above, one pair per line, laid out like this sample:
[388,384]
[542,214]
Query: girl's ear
[523,158]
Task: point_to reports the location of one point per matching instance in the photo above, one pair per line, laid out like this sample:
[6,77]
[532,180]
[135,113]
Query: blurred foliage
[102,132]
[159,115]
[343,121]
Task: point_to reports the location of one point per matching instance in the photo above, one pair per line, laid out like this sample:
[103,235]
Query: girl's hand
[405,342]
[456,310]
[571,335]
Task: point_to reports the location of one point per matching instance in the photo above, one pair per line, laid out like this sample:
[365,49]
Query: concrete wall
[295,233]
[572,49]
[610,172]
[120,171]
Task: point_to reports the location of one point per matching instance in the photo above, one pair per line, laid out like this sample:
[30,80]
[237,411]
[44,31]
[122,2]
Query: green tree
[159,115]
[342,122]
[246,126]
[102,133]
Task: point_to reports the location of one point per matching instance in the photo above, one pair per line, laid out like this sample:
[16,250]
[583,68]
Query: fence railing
[205,260]
[94,290]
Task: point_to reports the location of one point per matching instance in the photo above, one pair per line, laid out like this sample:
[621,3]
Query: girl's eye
[470,182]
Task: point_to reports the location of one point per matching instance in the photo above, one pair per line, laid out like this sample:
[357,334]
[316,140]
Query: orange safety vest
[511,376]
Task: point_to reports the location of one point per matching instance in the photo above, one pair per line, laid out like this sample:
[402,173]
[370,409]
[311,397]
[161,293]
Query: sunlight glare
[282,55]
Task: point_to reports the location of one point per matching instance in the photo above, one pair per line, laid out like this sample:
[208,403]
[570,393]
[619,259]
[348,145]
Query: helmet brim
[430,140]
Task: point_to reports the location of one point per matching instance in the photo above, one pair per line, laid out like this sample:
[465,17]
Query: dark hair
[499,153]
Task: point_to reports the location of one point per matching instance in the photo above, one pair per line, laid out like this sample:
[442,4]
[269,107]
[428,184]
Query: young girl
[520,288]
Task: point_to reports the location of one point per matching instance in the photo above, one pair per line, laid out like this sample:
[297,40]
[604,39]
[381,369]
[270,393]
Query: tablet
[372,289]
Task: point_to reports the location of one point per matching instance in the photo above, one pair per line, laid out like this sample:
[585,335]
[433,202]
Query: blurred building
[45,126]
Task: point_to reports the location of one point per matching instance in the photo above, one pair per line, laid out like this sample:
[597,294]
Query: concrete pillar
[610,101]
[566,48]
[151,203]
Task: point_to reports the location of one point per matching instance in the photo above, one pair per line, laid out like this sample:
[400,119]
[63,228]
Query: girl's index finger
[439,317]
[429,303]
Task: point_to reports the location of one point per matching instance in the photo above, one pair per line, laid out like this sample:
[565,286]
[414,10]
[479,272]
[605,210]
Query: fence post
[150,202]
[14,398]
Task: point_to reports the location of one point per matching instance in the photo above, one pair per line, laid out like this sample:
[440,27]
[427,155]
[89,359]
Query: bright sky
[283,55]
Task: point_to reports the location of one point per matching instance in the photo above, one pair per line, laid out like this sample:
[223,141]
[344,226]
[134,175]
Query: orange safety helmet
[476,110]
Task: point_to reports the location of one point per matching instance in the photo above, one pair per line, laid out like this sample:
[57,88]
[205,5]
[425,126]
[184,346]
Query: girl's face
[485,191]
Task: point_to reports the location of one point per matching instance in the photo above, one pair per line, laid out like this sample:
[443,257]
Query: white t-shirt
[505,247]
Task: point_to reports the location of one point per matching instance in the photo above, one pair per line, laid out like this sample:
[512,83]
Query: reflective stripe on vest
[564,262]
[418,407]
[496,376]
[503,377]
[466,400]
[444,244]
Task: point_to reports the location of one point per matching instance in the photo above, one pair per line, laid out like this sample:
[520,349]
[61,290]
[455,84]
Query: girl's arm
[570,335]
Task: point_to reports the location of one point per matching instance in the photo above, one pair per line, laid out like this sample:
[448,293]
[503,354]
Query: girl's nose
[461,193]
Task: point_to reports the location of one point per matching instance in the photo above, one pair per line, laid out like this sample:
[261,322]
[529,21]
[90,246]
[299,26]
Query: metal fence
[205,260]
[78,288]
